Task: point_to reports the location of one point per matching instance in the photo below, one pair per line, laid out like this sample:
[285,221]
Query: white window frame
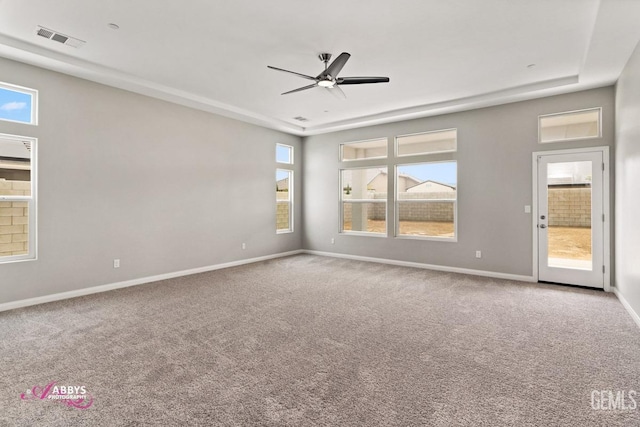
[540,117]
[290,148]
[34,102]
[397,205]
[341,151]
[341,203]
[397,143]
[31,201]
[286,167]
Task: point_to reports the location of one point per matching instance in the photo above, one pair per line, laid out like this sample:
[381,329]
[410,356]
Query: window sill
[430,238]
[362,233]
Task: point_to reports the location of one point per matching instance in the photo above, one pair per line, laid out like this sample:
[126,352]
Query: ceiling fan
[329,79]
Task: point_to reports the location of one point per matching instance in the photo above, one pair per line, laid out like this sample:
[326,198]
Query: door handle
[543,226]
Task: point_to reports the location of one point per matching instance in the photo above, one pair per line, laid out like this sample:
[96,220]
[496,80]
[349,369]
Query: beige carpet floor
[316,341]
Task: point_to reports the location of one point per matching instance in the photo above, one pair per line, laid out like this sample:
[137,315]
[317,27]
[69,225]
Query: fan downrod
[325,57]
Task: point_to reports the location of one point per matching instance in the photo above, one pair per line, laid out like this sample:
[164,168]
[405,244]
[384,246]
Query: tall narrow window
[284,189]
[18,104]
[426,195]
[17,198]
[363,200]
[284,201]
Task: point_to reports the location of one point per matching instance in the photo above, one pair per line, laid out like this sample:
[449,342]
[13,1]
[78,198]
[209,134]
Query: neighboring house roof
[402,175]
[434,182]
[283,184]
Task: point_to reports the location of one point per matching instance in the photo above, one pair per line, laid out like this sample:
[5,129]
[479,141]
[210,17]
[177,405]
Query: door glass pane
[569,222]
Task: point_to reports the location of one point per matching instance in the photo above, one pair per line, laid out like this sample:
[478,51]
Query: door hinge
[602,217]
[603,269]
[603,166]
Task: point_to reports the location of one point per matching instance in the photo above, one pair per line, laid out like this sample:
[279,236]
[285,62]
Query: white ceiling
[441,55]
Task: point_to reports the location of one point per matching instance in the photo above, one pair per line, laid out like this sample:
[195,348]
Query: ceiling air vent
[58,37]
[301,119]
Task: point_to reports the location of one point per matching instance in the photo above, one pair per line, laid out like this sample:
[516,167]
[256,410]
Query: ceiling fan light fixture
[326,83]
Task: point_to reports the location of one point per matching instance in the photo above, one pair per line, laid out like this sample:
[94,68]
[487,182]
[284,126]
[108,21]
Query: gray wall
[495,147]
[628,182]
[162,187]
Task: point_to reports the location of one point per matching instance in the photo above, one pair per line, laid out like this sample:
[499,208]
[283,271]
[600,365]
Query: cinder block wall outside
[570,207]
[282,210]
[14,219]
[411,211]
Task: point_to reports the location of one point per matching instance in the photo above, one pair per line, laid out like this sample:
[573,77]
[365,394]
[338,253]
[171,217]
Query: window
[284,154]
[284,189]
[570,125]
[426,195]
[373,149]
[363,200]
[441,141]
[18,104]
[17,198]
[284,201]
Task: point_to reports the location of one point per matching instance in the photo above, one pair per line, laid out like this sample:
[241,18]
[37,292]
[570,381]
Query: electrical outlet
[244,246]
[478,254]
[527,209]
[333,241]
[116,263]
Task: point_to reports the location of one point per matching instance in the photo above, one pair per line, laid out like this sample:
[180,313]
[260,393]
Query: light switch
[527,209]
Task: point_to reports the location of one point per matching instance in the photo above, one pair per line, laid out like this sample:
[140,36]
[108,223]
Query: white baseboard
[111,286]
[626,305]
[426,266]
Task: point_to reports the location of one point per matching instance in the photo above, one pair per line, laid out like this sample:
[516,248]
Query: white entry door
[570,221]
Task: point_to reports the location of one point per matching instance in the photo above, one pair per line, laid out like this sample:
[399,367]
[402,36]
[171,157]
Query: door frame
[606,180]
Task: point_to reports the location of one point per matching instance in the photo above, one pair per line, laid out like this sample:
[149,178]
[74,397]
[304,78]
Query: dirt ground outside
[564,242]
[570,242]
[413,228]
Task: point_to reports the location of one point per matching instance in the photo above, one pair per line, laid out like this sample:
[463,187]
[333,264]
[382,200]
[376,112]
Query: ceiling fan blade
[292,72]
[334,69]
[337,92]
[361,80]
[300,89]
